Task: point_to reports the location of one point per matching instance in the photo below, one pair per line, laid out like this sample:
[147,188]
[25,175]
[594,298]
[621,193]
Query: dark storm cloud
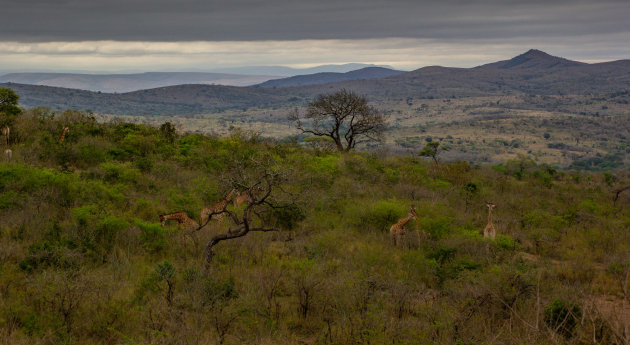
[215,20]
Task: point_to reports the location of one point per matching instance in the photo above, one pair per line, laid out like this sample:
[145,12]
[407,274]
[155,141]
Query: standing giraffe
[63,134]
[8,154]
[489,231]
[397,231]
[5,131]
[216,207]
[183,221]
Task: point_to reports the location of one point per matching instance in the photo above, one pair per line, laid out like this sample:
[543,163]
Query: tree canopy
[8,106]
[433,150]
[344,117]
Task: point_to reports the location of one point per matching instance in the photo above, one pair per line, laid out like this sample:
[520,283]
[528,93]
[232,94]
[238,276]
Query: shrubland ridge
[84,259]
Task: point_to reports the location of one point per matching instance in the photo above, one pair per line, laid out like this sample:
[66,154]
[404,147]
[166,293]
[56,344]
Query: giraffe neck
[404,221]
[489,215]
[230,195]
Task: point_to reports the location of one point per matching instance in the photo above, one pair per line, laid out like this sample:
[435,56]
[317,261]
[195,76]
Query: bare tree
[344,117]
[255,216]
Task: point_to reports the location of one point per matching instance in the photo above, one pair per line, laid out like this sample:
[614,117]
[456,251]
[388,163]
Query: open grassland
[84,260]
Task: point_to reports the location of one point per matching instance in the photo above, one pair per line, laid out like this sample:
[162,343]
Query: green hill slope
[84,259]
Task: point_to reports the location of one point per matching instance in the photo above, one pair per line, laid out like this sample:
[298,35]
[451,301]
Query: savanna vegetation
[582,132]
[85,260]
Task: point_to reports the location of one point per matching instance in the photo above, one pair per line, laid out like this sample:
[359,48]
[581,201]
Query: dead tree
[250,219]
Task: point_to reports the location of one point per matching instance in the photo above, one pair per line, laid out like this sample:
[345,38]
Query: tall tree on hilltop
[344,117]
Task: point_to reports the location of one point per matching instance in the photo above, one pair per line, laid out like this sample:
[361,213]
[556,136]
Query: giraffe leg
[193,237]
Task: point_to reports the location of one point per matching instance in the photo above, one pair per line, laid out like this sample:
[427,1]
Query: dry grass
[554,130]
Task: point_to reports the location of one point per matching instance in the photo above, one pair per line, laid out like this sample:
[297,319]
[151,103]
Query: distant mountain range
[132,82]
[331,77]
[288,71]
[533,72]
[240,76]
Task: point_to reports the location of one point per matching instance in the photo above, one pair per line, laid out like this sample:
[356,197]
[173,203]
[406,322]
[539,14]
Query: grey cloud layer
[191,20]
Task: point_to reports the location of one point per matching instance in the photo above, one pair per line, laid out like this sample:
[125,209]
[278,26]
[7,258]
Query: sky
[202,35]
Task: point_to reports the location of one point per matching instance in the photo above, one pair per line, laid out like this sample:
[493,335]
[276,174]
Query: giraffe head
[256,191]
[412,212]
[163,219]
[490,205]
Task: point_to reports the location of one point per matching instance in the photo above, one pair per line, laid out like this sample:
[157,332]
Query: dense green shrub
[563,317]
[383,214]
[216,291]
[91,154]
[152,236]
[120,172]
[285,216]
[436,226]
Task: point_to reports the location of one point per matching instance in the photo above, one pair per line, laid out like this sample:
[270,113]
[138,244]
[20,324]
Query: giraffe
[247,196]
[183,221]
[6,131]
[489,231]
[217,207]
[63,134]
[8,154]
[397,231]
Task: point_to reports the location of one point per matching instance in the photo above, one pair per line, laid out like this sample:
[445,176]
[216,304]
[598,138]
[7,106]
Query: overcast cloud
[201,34]
[251,20]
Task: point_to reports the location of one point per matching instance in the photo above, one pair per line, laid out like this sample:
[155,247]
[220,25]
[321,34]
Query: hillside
[331,77]
[117,83]
[180,100]
[85,260]
[445,82]
[530,73]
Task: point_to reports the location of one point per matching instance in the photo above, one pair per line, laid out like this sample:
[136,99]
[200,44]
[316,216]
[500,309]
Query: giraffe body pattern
[246,196]
[63,134]
[183,221]
[490,231]
[217,207]
[398,231]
